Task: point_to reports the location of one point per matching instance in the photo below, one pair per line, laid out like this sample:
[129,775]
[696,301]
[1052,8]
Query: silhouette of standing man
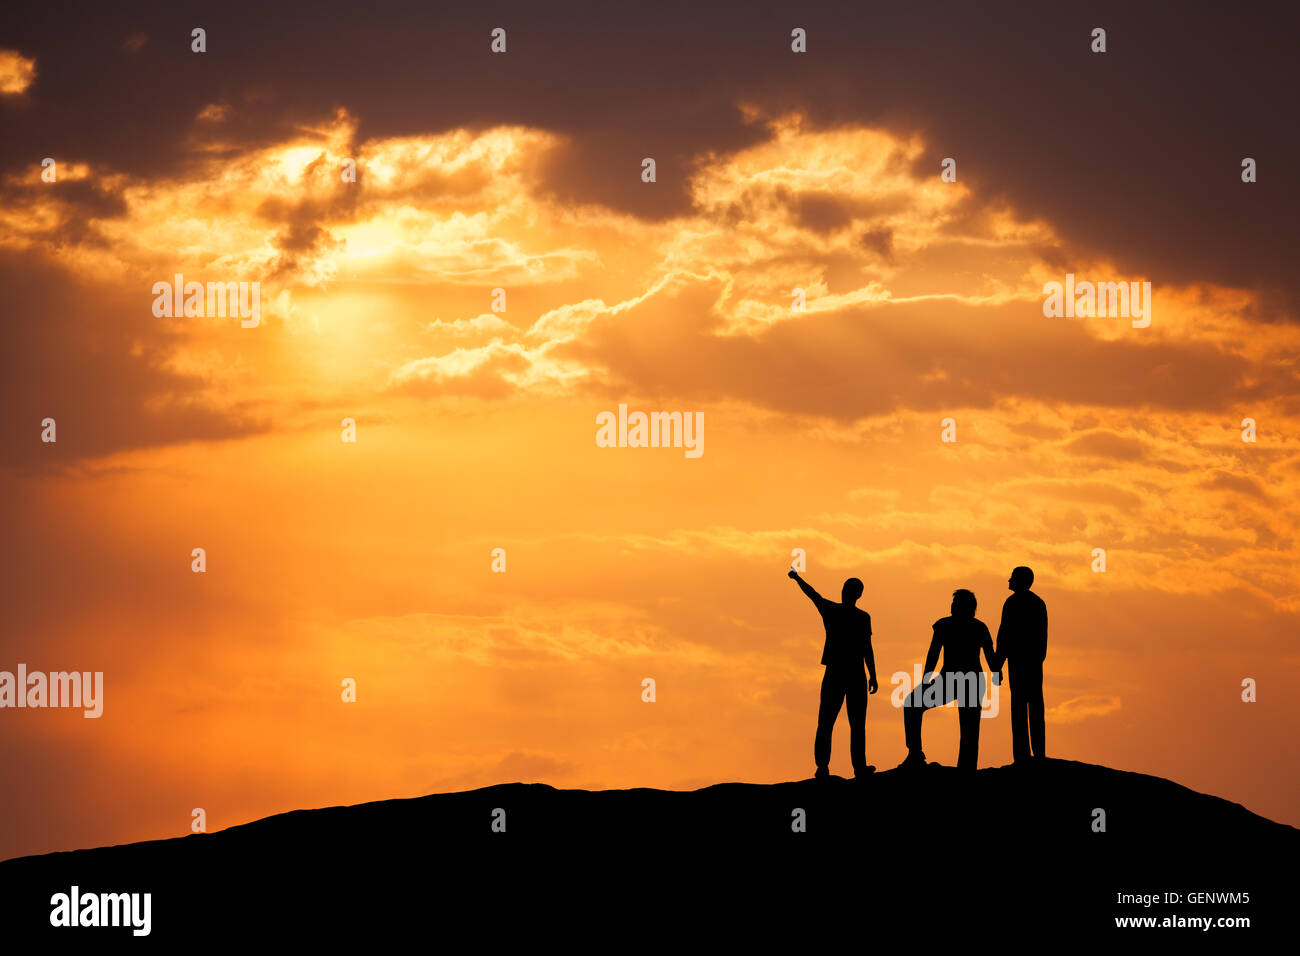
[848,645]
[1022,643]
[960,637]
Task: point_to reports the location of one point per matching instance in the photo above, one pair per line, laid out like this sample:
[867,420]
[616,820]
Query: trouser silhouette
[1027,724]
[849,688]
[936,693]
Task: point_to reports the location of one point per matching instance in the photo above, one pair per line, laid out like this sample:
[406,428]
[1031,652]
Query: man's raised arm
[807,588]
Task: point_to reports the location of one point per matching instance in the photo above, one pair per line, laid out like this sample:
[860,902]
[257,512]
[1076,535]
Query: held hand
[872,686]
[793,573]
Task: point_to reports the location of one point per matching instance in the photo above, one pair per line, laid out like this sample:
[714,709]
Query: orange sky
[475,431]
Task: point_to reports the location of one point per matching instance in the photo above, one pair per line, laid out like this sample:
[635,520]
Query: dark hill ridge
[1011,846]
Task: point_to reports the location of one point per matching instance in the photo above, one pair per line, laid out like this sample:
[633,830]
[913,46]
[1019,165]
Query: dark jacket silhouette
[847,649]
[1022,643]
[960,638]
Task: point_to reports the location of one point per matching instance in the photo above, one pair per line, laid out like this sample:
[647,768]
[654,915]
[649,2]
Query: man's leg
[1037,725]
[1019,721]
[855,703]
[969,695]
[832,697]
[968,722]
[914,708]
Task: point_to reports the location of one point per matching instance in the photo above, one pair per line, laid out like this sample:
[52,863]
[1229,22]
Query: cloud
[1235,483]
[529,637]
[937,308]
[16,72]
[531,766]
[99,364]
[483,324]
[1082,708]
[1106,444]
[1205,226]
[486,371]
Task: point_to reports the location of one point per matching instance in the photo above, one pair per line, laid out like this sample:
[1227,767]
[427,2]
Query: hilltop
[896,854]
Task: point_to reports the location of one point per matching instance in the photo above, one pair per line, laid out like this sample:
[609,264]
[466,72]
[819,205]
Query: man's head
[852,591]
[1021,579]
[963,603]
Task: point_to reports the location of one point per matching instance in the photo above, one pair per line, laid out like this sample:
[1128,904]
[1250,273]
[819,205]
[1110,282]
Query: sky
[475,428]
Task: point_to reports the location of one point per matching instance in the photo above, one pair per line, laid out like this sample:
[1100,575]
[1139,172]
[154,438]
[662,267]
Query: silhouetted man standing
[1022,643]
[848,646]
[960,637]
